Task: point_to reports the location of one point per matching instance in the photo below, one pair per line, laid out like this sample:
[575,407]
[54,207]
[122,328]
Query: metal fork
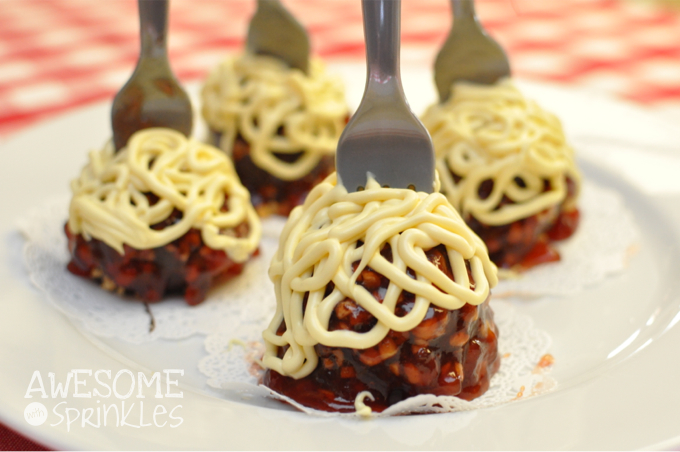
[152,97]
[469,53]
[384,138]
[274,31]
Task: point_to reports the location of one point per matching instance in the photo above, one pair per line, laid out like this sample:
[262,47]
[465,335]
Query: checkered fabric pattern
[59,54]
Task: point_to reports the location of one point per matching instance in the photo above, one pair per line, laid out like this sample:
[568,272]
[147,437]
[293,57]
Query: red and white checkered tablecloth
[56,55]
[59,54]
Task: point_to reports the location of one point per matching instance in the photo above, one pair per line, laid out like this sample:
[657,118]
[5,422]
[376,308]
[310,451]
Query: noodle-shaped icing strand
[110,197]
[334,229]
[493,133]
[277,110]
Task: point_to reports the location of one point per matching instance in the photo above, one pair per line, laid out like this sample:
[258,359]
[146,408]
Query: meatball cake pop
[155,212]
[382,294]
[279,125]
[165,214]
[505,164]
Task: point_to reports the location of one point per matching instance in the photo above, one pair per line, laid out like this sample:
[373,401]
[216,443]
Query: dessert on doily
[506,166]
[382,295]
[165,214]
[155,212]
[279,125]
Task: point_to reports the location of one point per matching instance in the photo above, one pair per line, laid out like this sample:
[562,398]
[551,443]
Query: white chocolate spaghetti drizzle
[254,96]
[109,203]
[319,245]
[494,132]
[360,407]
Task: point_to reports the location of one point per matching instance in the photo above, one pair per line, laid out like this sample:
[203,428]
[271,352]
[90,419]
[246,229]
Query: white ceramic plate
[616,344]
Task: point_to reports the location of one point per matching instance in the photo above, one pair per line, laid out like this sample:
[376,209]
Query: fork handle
[463,8]
[464,13]
[153,27]
[381,31]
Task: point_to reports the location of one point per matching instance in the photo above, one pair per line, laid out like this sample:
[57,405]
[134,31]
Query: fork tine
[384,139]
[469,53]
[274,31]
[152,97]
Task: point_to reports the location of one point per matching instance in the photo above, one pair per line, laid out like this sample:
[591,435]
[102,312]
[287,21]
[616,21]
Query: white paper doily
[230,365]
[245,298]
[607,231]
[602,245]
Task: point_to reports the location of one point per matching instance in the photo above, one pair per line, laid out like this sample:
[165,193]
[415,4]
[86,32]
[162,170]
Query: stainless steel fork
[274,31]
[384,138]
[469,53]
[152,97]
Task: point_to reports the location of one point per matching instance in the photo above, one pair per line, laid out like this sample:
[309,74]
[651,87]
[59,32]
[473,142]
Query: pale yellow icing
[319,244]
[493,132]
[360,407]
[109,204]
[255,96]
